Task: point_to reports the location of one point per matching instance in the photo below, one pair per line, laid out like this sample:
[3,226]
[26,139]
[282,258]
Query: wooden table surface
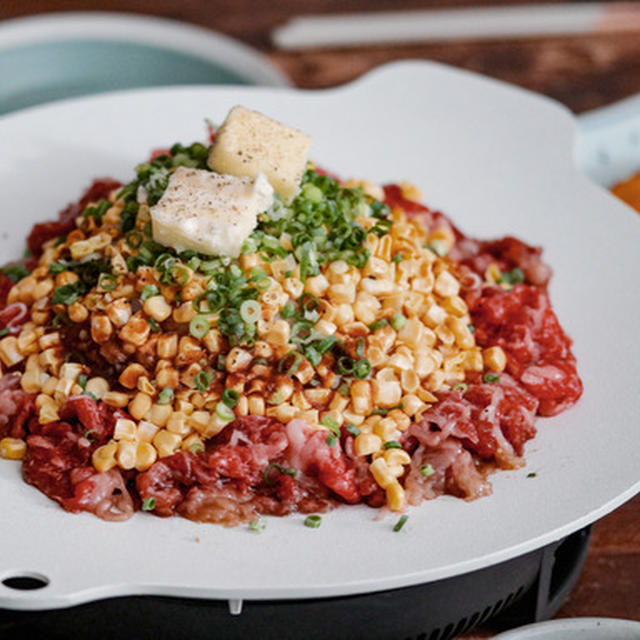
[583,72]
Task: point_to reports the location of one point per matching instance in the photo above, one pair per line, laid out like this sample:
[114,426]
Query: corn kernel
[146,431]
[166,443]
[178,423]
[101,328]
[116,399]
[446,285]
[126,455]
[146,455]
[495,359]
[77,312]
[397,457]
[193,443]
[129,377]
[103,457]
[12,448]
[367,443]
[395,496]
[385,429]
[159,414]
[167,346]
[124,429]
[381,473]
[9,352]
[140,405]
[256,405]
[158,308]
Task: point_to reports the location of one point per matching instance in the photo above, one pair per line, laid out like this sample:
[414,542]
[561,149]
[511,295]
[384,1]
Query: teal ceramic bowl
[57,56]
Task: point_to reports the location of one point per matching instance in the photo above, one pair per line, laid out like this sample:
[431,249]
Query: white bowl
[576,629]
[63,55]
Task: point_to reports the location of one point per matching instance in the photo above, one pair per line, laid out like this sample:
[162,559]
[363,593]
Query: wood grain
[582,72]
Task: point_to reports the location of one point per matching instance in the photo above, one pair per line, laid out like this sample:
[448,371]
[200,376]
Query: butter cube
[209,212]
[249,143]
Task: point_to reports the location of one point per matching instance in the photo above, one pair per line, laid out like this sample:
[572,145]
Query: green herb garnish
[313,522]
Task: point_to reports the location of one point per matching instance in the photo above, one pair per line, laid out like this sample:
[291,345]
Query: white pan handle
[608,148]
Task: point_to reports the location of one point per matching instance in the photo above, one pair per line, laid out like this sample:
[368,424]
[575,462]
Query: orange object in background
[629,191]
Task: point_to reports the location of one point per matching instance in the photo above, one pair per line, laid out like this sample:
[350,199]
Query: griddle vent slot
[452,629]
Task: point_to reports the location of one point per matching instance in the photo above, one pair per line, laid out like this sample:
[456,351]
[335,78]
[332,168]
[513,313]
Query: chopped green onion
[344,389]
[533,474]
[230,398]
[97,211]
[57,267]
[196,448]
[312,355]
[427,470]
[203,380]
[250,311]
[398,321]
[331,439]
[361,369]
[148,504]
[326,344]
[438,247]
[257,525]
[4,332]
[283,470]
[460,386]
[515,276]
[331,423]
[133,239]
[401,522]
[490,377]
[345,365]
[309,302]
[360,344]
[199,327]
[378,324]
[312,193]
[471,328]
[90,434]
[149,291]
[288,274]
[107,282]
[397,258]
[392,444]
[153,323]
[165,396]
[313,522]
[289,364]
[352,429]
[289,310]
[224,412]
[68,293]
[301,333]
[82,381]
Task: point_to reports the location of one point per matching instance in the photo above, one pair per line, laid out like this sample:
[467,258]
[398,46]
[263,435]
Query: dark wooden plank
[582,72]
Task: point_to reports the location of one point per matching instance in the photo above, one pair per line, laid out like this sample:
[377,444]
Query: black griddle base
[525,589]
